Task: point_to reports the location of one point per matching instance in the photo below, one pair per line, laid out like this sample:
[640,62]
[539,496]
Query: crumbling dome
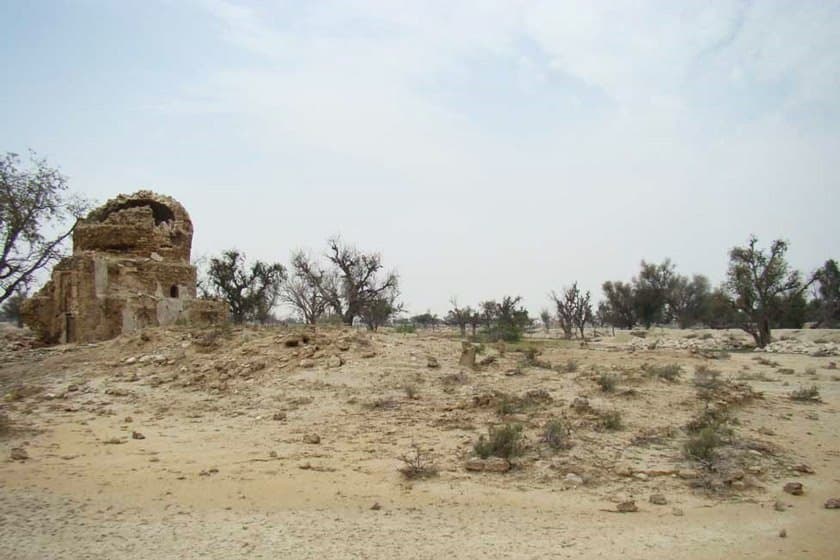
[130,269]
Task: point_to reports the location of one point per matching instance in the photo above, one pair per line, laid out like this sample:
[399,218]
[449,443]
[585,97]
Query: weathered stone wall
[129,270]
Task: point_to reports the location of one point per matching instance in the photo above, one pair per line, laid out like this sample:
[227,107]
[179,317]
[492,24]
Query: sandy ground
[224,470]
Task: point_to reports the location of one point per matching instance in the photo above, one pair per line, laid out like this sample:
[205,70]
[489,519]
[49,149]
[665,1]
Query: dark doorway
[173,291]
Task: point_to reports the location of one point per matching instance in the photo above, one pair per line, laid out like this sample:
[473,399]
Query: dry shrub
[607,382]
[557,434]
[806,394]
[417,464]
[669,372]
[610,420]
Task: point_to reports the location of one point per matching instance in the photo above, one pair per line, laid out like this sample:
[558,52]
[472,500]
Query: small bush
[571,366]
[557,434]
[706,378]
[504,441]
[669,372]
[811,371]
[786,371]
[417,464]
[459,378]
[765,362]
[607,382]
[611,420]
[405,328]
[411,391]
[383,403]
[703,446]
[716,418]
[806,394]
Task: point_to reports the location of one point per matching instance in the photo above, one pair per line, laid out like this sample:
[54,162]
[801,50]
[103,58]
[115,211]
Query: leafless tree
[459,316]
[301,292]
[574,309]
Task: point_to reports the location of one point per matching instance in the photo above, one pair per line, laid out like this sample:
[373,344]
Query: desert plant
[410,391]
[570,366]
[809,394]
[607,382]
[703,446]
[557,433]
[405,328]
[504,441]
[610,420]
[417,464]
[669,372]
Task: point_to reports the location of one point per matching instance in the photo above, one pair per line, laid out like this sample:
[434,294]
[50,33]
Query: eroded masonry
[130,269]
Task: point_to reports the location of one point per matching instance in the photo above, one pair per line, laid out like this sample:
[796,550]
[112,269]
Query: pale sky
[483,147]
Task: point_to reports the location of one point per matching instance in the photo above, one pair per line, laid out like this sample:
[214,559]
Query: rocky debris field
[230,442]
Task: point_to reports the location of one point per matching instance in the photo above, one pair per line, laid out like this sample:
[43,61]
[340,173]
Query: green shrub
[557,434]
[405,328]
[504,441]
[703,446]
[607,382]
[611,420]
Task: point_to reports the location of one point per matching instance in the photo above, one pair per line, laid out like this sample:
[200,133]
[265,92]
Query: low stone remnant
[794,488]
[832,503]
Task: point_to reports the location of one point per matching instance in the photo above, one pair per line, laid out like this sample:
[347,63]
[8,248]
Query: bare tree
[356,284]
[459,316]
[758,281]
[574,309]
[301,292]
[31,202]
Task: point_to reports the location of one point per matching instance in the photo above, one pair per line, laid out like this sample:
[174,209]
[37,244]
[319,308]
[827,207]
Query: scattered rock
[496,464]
[802,468]
[658,499]
[627,507]
[688,474]
[573,479]
[113,441]
[128,419]
[272,454]
[794,488]
[368,354]
[581,404]
[678,512]
[18,454]
[307,363]
[832,503]
[783,533]
[312,438]
[335,361]
[491,464]
[279,416]
[137,435]
[432,362]
[780,506]
[376,506]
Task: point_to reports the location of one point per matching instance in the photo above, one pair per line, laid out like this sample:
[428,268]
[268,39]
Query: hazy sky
[485,148]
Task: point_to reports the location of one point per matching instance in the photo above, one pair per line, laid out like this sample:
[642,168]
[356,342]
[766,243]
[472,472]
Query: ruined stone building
[130,269]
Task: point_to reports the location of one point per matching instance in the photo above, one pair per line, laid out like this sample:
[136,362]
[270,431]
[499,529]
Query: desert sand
[232,443]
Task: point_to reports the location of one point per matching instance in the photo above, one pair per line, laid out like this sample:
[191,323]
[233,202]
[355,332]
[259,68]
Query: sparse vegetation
[808,394]
[607,382]
[411,391]
[557,434]
[570,366]
[610,420]
[405,328]
[504,441]
[669,372]
[703,446]
[417,464]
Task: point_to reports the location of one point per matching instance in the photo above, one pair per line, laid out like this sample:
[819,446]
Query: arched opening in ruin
[161,212]
[173,291]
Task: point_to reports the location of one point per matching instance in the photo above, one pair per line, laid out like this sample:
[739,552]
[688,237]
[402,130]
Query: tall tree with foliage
[37,215]
[828,295]
[651,291]
[619,307]
[505,320]
[758,282]
[687,299]
[250,292]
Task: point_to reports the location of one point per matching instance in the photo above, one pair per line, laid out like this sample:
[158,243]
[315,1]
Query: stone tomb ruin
[130,269]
